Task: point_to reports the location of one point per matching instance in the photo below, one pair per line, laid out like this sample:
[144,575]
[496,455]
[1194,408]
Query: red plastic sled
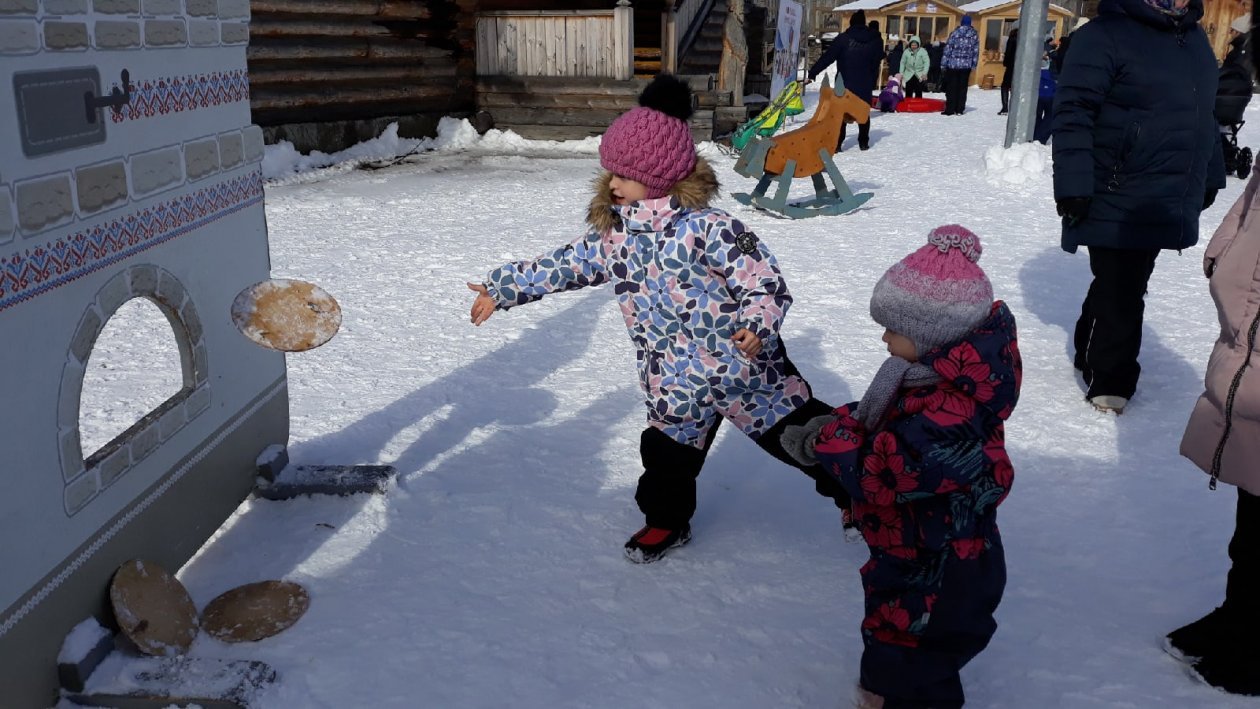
[916,105]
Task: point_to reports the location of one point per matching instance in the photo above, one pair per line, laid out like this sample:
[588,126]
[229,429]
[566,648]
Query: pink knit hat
[652,143]
[937,294]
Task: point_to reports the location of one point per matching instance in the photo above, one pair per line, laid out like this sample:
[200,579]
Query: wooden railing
[680,24]
[591,43]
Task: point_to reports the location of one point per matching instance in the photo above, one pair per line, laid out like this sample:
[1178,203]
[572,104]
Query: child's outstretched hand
[483,306]
[746,342]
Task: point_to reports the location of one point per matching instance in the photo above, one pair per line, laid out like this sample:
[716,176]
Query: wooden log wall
[313,61]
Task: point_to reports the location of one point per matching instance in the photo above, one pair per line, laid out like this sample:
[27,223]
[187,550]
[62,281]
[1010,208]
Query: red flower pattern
[881,526]
[884,472]
[968,548]
[890,624]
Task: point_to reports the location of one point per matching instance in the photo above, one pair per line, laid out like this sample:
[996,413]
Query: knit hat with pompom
[936,295]
[652,144]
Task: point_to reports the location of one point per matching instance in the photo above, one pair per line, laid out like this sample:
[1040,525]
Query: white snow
[1021,164]
[81,640]
[492,575]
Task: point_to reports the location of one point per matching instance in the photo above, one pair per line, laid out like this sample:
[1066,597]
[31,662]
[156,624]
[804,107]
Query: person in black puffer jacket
[857,52]
[1136,158]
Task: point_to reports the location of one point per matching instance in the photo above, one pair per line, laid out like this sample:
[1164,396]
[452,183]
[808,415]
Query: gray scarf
[894,375]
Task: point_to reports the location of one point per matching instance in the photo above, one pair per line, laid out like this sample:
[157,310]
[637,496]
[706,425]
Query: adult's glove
[1209,197]
[798,441]
[1073,210]
[1209,266]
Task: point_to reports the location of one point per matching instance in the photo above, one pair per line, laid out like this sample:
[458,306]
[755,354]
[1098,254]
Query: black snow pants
[1108,334]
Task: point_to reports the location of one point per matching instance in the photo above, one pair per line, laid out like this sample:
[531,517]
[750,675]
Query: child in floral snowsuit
[702,299]
[924,458]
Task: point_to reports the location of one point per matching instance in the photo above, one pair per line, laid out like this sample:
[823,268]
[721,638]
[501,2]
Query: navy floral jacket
[927,484]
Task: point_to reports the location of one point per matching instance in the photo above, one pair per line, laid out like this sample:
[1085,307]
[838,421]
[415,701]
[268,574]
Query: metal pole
[1032,42]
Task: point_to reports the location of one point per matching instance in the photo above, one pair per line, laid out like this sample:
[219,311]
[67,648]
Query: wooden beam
[491,100]
[560,85]
[349,49]
[305,98]
[262,78]
[398,9]
[554,116]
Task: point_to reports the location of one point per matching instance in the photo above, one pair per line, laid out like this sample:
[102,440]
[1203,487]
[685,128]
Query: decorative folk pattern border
[176,94]
[29,274]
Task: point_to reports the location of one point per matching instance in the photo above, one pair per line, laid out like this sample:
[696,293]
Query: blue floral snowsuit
[686,280]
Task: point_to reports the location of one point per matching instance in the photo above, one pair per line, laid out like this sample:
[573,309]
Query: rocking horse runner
[805,152]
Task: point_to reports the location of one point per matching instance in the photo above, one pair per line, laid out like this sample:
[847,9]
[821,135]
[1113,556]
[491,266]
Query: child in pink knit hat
[923,457]
[703,301]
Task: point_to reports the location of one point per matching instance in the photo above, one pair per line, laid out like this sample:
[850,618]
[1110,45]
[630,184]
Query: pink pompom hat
[650,146]
[937,294]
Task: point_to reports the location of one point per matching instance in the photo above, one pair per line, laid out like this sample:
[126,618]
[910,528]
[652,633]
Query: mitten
[1073,210]
[1209,197]
[798,441]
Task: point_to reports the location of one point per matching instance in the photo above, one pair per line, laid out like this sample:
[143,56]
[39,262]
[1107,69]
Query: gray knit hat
[937,294]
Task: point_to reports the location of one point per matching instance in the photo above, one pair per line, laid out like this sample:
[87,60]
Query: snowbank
[1017,165]
[282,160]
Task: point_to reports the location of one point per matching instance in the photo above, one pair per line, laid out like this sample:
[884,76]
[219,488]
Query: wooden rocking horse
[805,152]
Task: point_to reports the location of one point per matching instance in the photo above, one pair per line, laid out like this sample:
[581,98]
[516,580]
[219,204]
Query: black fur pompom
[669,95]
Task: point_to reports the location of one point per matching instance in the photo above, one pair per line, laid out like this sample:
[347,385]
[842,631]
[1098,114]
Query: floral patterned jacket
[687,277]
[926,486]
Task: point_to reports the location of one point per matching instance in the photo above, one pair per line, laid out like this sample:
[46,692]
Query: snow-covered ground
[492,576]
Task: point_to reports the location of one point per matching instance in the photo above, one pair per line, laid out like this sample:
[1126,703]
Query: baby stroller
[1232,96]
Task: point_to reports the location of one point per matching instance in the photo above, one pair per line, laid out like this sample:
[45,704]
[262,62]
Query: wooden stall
[993,19]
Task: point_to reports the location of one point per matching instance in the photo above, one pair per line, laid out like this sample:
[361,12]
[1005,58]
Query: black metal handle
[115,100]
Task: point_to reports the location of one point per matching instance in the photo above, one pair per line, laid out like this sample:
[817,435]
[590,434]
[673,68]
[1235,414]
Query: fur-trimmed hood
[695,191]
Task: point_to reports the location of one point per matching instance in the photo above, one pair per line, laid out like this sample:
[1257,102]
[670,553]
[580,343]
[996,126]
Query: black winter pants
[864,135]
[667,488]
[914,88]
[1109,333]
[956,90]
[1006,89]
[960,627]
[1243,587]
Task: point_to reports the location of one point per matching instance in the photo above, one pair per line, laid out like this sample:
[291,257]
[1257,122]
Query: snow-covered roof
[865,5]
[982,5]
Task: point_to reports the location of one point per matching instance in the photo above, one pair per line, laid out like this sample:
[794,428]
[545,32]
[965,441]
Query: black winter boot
[1217,632]
[651,543]
[1236,672]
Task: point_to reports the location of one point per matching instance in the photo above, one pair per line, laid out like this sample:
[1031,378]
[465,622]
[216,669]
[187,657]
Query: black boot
[1214,632]
[1235,672]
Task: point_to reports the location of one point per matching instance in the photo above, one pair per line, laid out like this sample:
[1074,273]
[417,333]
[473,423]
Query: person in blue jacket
[1136,158]
[857,52]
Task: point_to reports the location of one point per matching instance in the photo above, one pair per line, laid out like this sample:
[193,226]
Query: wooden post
[669,39]
[623,41]
[734,62]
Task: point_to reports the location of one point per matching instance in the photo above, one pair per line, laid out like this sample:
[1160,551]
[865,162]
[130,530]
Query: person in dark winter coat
[894,58]
[1045,105]
[703,301]
[962,51]
[1008,68]
[923,455]
[857,53]
[936,53]
[1137,156]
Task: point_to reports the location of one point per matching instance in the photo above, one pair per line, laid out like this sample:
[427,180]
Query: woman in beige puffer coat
[1223,438]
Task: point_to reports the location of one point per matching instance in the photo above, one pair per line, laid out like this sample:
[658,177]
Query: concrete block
[18,7]
[44,203]
[65,7]
[73,672]
[144,279]
[101,186]
[235,33]
[253,139]
[170,291]
[163,7]
[145,442]
[114,294]
[80,492]
[156,170]
[192,321]
[202,8]
[18,36]
[117,7]
[197,402]
[171,422]
[117,34]
[203,33]
[114,466]
[69,395]
[85,335]
[272,461]
[71,453]
[66,35]
[234,9]
[165,33]
[231,149]
[7,226]
[201,158]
